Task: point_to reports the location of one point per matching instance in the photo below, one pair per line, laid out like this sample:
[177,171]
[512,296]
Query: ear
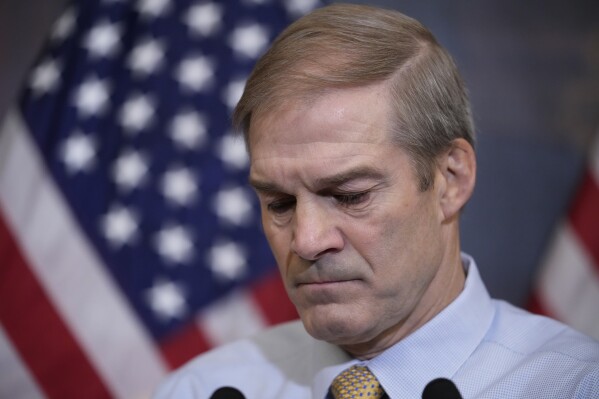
[458,169]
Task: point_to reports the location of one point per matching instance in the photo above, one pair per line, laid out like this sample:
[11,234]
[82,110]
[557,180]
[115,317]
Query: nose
[315,232]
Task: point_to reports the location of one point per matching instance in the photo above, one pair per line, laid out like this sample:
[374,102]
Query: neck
[445,287]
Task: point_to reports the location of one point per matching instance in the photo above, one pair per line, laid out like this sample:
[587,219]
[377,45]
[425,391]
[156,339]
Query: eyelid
[279,204]
[347,190]
[348,193]
[353,199]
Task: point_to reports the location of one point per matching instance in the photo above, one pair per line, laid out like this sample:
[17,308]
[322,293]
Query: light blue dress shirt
[488,348]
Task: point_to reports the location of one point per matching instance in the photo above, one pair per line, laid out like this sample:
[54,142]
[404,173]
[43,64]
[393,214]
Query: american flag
[568,283]
[129,240]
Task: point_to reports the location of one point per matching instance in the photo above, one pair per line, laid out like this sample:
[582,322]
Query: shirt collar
[437,349]
[441,346]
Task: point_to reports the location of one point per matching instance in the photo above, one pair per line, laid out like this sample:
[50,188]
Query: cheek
[411,226]
[279,241]
[386,236]
[397,245]
[276,240]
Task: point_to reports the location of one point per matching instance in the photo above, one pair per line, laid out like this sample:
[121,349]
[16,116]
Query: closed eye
[352,199]
[281,206]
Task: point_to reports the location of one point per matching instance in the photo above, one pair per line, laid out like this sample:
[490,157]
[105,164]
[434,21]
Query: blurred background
[532,69]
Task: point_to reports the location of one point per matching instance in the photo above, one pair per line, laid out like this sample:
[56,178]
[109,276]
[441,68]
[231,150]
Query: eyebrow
[361,172]
[264,187]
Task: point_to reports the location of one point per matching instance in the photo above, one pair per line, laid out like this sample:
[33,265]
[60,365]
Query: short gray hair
[348,45]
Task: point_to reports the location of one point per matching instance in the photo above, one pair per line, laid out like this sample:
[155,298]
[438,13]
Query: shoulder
[274,357]
[529,334]
[536,356]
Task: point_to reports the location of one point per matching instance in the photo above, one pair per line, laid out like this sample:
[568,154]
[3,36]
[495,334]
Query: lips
[325,282]
[306,295]
[305,279]
[322,273]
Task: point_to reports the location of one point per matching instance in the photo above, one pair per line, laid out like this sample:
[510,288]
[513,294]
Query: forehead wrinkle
[313,148]
[340,119]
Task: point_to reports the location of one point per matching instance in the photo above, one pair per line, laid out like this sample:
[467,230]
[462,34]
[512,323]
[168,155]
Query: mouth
[322,282]
[325,283]
[320,276]
[314,293]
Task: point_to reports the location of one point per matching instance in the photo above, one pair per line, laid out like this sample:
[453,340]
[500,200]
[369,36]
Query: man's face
[358,245]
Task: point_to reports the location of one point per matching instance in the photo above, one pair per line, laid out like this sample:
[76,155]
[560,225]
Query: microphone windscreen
[441,388]
[227,393]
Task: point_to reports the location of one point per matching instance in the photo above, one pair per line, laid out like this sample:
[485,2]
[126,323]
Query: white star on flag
[120,226]
[227,260]
[45,77]
[195,73]
[232,93]
[231,149]
[167,299]
[78,152]
[103,39]
[179,186]
[153,8]
[204,19]
[174,244]
[233,205]
[188,129]
[130,169]
[249,40]
[91,98]
[64,25]
[128,106]
[147,57]
[137,113]
[297,8]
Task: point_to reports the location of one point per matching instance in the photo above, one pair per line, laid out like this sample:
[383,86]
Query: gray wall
[23,25]
[533,72]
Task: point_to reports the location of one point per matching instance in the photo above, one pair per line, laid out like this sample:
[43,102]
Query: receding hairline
[328,62]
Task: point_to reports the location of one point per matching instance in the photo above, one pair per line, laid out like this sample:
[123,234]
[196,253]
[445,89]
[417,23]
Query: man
[361,146]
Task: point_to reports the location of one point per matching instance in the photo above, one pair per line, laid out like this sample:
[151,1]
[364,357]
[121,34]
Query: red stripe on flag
[269,292]
[183,345]
[536,305]
[584,216]
[38,333]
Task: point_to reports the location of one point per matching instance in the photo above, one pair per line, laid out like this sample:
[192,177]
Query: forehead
[334,117]
[340,134]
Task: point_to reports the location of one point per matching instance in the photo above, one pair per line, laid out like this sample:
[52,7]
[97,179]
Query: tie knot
[356,382]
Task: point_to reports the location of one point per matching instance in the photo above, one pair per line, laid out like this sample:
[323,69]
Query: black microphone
[441,388]
[227,393]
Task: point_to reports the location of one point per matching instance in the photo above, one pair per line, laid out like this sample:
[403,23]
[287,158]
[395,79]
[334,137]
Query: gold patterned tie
[356,382]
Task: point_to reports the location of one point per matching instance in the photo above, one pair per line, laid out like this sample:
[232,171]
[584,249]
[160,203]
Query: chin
[334,328]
